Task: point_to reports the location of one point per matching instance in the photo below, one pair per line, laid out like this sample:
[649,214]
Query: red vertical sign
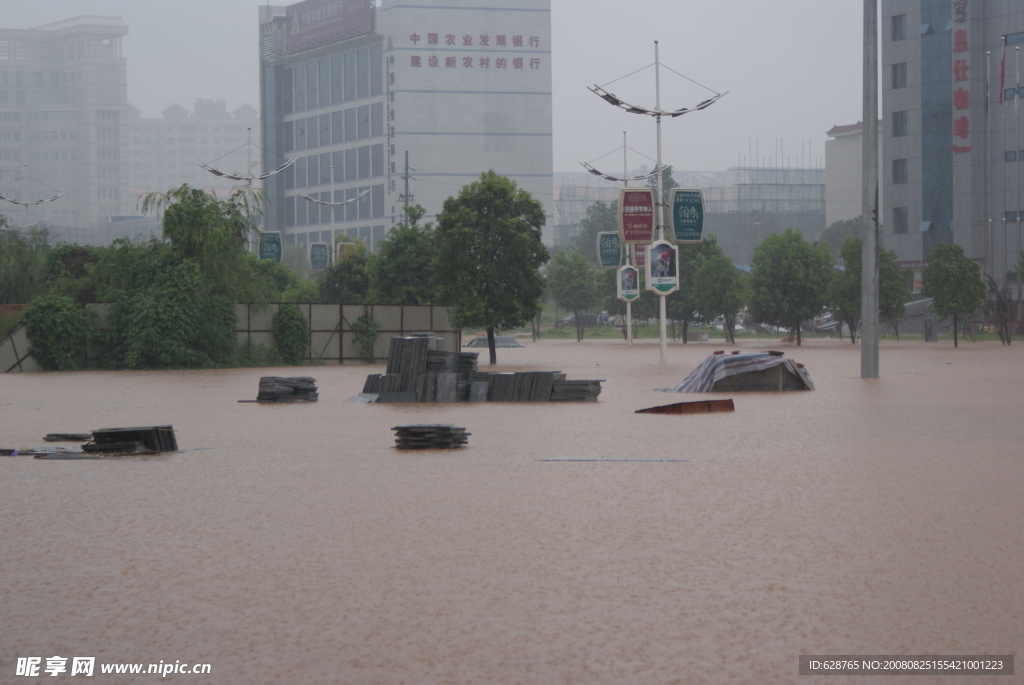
[636,215]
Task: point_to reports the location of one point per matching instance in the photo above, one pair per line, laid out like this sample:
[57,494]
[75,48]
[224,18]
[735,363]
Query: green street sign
[318,256]
[687,216]
[270,246]
[609,250]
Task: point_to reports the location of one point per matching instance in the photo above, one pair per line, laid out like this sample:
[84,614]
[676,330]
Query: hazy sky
[793,70]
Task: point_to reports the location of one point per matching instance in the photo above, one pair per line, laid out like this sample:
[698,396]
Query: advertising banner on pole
[319,256]
[609,250]
[270,245]
[636,215]
[687,216]
[662,268]
[627,285]
[639,254]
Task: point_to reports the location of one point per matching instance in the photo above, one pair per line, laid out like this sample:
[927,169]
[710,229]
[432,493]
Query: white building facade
[63,104]
[400,104]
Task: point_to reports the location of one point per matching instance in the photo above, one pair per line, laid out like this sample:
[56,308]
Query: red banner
[636,215]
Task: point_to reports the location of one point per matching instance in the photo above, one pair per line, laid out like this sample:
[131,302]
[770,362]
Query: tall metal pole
[659,198]
[629,246]
[869,200]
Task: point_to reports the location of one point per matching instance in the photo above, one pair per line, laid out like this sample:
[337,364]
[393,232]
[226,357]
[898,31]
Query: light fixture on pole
[657,113]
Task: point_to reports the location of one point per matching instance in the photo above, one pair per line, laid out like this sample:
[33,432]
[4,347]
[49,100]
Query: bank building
[382,104]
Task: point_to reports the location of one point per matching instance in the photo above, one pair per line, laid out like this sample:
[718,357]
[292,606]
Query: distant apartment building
[399,103]
[952,148]
[63,103]
[844,172]
[166,152]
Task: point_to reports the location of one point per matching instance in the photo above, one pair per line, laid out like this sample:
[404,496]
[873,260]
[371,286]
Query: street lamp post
[657,113]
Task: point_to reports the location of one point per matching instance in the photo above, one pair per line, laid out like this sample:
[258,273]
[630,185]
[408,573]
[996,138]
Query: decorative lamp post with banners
[657,113]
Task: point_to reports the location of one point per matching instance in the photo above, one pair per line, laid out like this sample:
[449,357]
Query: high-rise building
[952,149]
[166,152]
[396,104]
[63,103]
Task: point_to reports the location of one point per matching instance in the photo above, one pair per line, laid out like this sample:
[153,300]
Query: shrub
[58,330]
[291,333]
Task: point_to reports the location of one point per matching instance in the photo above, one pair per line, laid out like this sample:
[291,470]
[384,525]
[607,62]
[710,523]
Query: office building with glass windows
[397,104]
[951,138]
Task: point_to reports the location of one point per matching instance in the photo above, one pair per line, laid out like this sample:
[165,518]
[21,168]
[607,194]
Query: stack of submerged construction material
[575,391]
[436,436]
[416,372]
[144,439]
[277,389]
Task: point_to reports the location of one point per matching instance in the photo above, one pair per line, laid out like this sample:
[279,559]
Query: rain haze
[792,70]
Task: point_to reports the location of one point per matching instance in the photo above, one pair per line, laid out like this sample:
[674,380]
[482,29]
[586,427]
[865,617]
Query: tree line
[171,300]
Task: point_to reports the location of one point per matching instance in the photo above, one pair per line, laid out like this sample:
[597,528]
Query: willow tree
[211,232]
[489,255]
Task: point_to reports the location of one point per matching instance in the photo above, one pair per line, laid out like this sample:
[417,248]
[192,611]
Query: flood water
[294,544]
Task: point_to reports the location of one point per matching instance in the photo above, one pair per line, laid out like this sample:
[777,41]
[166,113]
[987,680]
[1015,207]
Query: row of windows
[340,166]
[1013,156]
[333,80]
[901,219]
[299,211]
[335,128]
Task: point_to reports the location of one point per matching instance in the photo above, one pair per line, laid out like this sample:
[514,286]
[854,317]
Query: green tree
[489,255]
[58,331]
[844,290]
[998,309]
[789,280]
[681,305]
[212,233]
[347,281]
[667,185]
[21,266]
[719,289]
[169,324]
[574,285]
[953,281]
[836,234]
[601,217]
[403,271]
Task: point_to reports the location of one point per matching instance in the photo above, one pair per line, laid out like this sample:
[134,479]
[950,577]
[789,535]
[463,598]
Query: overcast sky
[792,69]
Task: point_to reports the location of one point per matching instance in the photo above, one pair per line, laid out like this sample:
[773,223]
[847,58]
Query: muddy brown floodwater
[294,544]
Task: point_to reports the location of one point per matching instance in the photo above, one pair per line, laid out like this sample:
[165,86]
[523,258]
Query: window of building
[312,99]
[337,79]
[364,122]
[1010,218]
[899,75]
[899,171]
[337,128]
[377,119]
[1010,156]
[350,124]
[363,66]
[313,172]
[364,162]
[325,129]
[350,76]
[312,133]
[899,124]
[899,27]
[900,220]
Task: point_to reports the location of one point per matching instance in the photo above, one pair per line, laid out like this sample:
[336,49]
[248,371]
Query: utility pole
[869,199]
